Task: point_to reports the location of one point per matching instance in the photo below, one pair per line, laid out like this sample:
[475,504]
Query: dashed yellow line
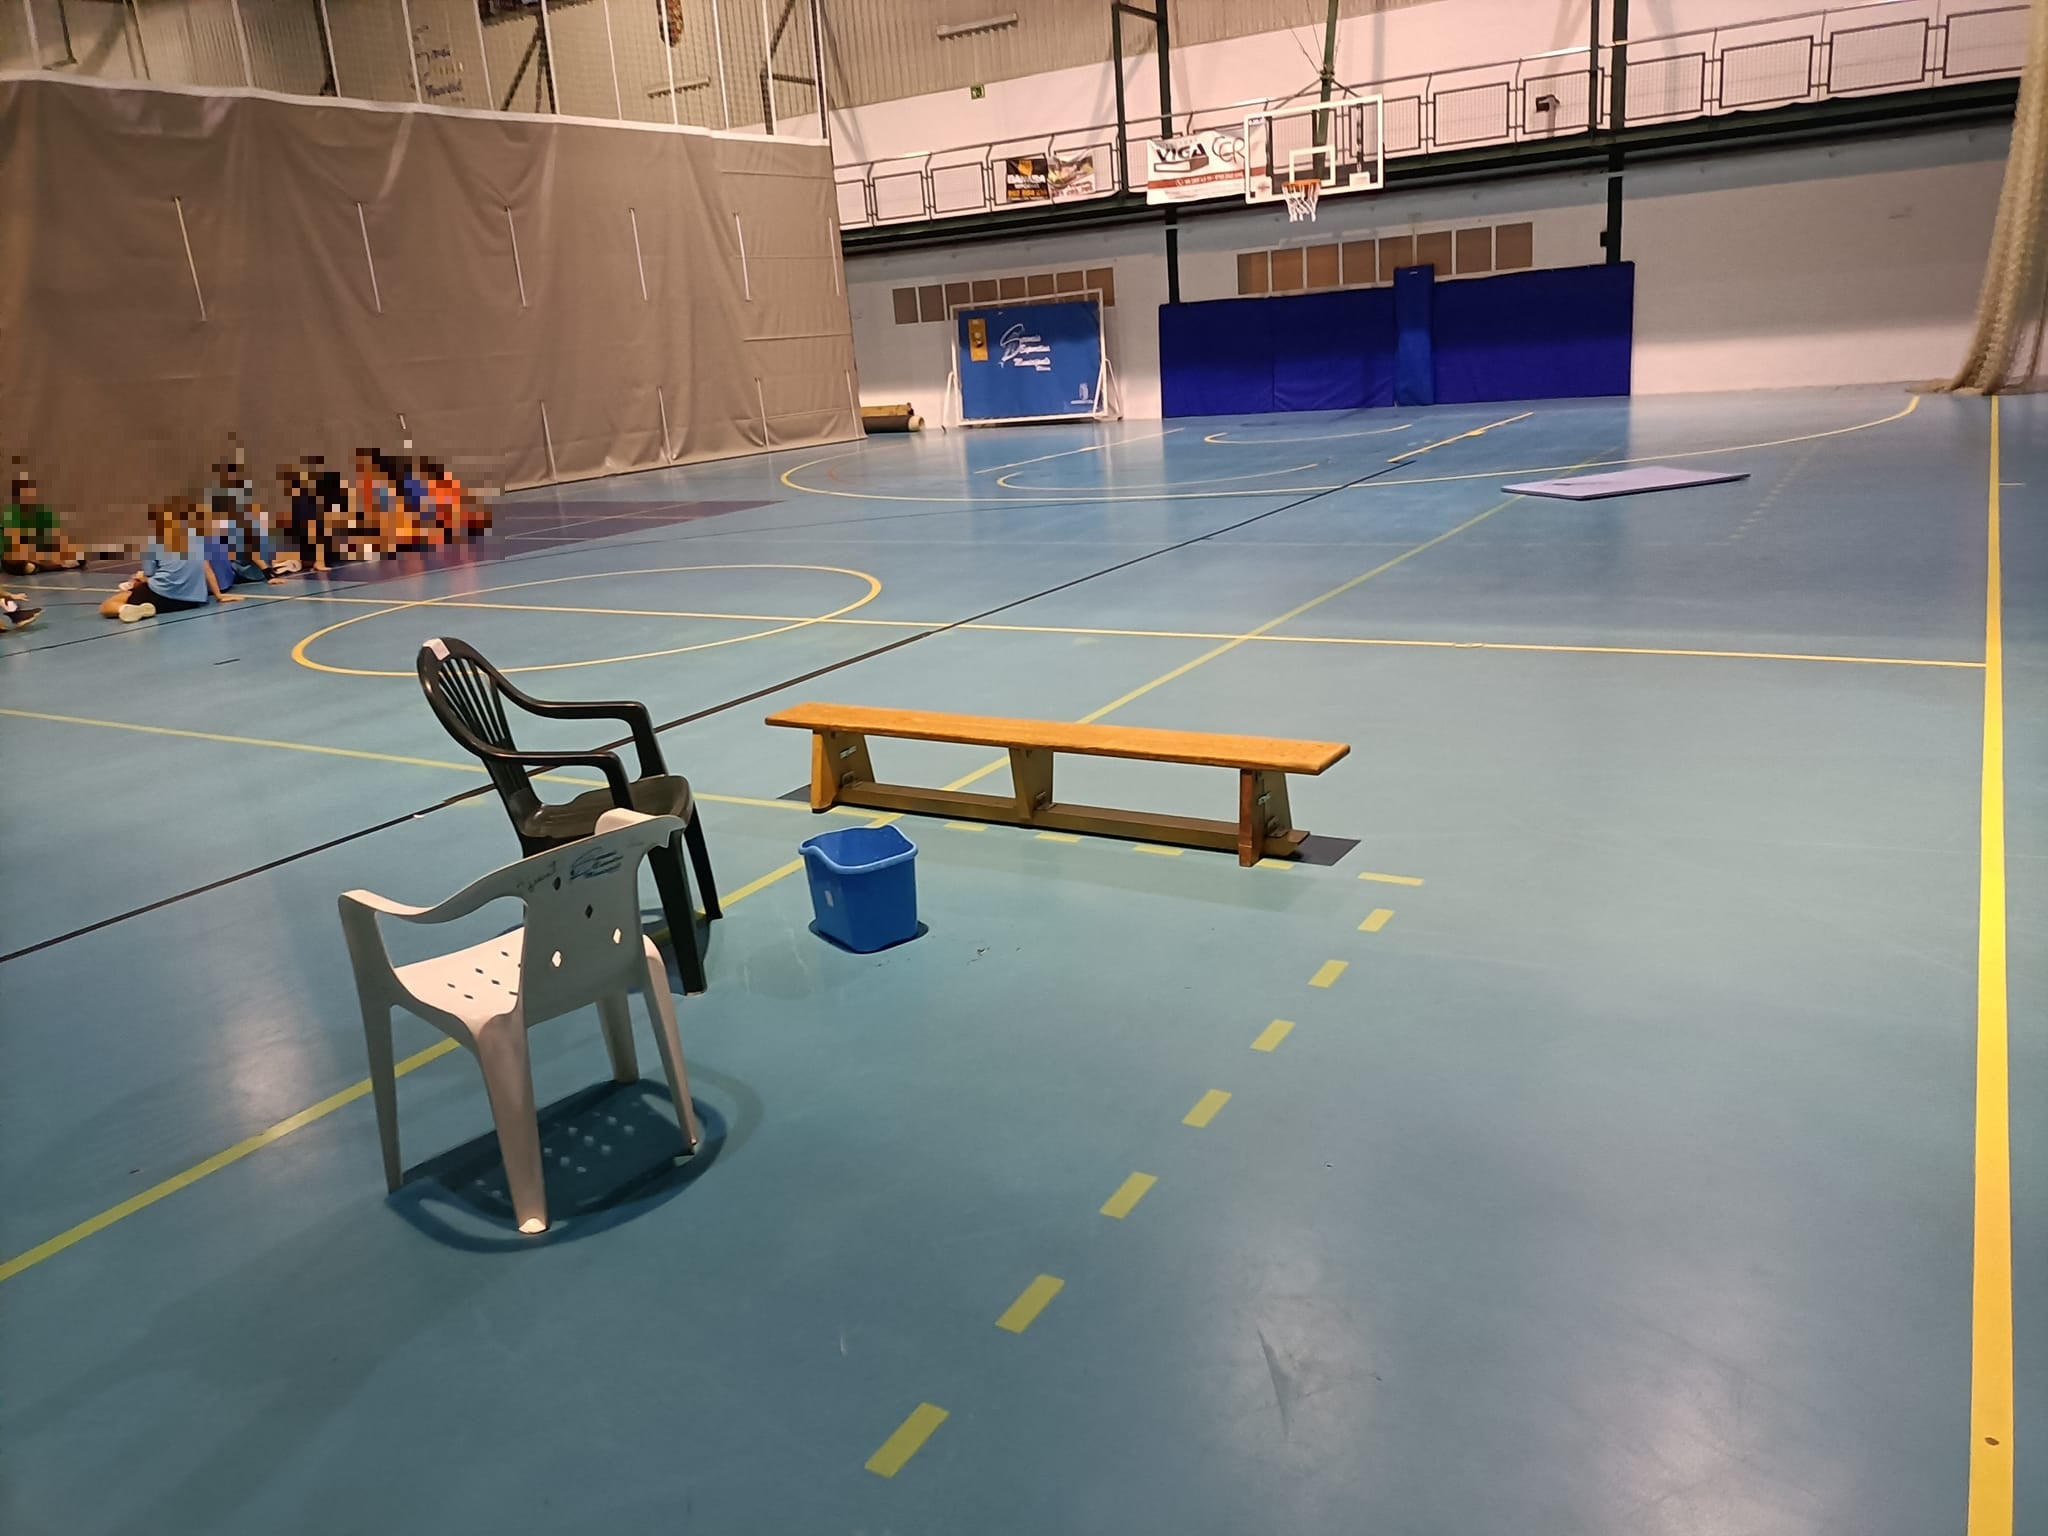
[1271,1036]
[908,1440]
[1326,975]
[1390,879]
[1206,1108]
[1127,1196]
[1377,919]
[1023,1312]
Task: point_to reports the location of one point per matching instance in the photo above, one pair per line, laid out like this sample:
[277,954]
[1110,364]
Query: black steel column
[1617,114]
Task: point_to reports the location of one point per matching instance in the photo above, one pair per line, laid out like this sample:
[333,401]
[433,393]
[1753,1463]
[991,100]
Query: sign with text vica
[1030,362]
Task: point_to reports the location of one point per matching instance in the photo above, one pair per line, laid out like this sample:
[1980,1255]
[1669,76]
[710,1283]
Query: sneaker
[130,612]
[21,617]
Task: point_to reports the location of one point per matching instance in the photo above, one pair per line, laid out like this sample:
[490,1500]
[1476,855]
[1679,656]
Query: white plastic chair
[577,947]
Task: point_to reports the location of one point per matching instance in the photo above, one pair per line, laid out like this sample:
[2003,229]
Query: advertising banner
[1041,178]
[1195,166]
[1029,362]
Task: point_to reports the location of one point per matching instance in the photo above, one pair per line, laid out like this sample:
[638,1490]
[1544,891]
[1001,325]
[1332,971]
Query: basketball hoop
[1301,200]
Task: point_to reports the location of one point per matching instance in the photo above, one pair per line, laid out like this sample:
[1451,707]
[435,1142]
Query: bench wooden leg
[1031,777]
[837,758]
[1262,813]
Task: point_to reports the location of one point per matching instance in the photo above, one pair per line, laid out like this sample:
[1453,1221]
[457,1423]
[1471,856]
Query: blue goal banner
[1030,362]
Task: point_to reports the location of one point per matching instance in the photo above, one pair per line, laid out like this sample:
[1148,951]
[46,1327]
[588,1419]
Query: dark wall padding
[1535,335]
[1519,336]
[1415,336]
[1245,357]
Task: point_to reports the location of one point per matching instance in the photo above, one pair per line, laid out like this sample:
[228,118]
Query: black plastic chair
[466,694]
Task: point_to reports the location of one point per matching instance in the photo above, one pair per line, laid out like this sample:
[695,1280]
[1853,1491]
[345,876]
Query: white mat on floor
[1621,482]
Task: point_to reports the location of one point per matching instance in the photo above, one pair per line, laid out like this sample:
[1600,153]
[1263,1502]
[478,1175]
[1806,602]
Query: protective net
[1301,197]
[2006,349]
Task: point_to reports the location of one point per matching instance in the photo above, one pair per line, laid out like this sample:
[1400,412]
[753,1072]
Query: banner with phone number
[1195,166]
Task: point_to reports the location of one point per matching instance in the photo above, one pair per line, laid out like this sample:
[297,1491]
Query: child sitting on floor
[29,536]
[175,575]
[15,612]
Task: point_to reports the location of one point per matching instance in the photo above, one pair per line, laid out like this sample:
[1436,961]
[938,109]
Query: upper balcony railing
[1853,50]
[727,64]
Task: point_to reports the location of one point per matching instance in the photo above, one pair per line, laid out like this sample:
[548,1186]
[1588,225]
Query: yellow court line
[1391,879]
[1912,404]
[1205,1108]
[1127,1196]
[1991,1364]
[968,826]
[1377,919]
[1023,1312]
[1416,453]
[298,652]
[1235,641]
[797,619]
[908,1440]
[472,769]
[1271,1036]
[1327,973]
[213,1164]
[1163,852]
[1043,837]
[299,1121]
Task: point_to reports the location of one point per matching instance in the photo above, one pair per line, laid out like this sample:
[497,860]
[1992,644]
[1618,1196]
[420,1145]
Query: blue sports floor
[1616,1167]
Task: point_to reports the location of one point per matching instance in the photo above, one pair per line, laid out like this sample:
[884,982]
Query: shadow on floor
[612,1152]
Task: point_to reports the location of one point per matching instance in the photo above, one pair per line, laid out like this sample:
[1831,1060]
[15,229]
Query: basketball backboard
[1339,144]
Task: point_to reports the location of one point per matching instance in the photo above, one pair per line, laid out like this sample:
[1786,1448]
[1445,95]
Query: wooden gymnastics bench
[842,775]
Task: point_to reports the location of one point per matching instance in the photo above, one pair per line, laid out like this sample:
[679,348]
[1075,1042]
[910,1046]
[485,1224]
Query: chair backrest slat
[464,691]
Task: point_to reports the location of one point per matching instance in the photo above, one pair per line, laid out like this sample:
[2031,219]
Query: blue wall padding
[1334,351]
[1535,335]
[1215,359]
[1517,336]
[1245,357]
[1414,336]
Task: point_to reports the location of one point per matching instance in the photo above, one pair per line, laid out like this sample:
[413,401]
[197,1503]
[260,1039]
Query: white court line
[1091,448]
[1224,439]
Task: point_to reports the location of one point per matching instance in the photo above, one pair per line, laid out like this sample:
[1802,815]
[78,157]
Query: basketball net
[1301,200]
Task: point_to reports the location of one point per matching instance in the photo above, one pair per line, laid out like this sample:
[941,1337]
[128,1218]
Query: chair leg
[508,1079]
[673,881]
[700,857]
[383,1086]
[661,1010]
[617,1019]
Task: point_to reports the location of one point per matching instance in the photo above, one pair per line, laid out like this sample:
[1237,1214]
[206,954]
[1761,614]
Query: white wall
[1412,40]
[1853,264]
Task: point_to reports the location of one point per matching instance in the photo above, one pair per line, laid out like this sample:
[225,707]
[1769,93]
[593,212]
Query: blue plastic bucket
[863,886]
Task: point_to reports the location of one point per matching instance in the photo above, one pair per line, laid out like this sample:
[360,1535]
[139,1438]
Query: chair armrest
[614,770]
[514,880]
[634,715]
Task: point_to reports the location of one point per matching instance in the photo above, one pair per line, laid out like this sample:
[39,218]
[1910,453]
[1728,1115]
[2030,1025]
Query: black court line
[696,715]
